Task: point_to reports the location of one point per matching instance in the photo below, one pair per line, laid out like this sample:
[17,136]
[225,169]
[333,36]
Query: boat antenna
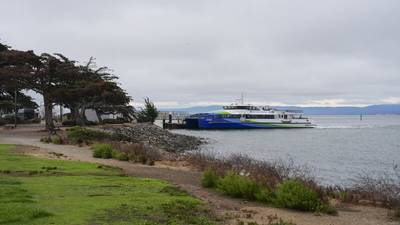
[242,98]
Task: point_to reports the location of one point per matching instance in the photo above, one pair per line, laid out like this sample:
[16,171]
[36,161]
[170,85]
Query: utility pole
[15,108]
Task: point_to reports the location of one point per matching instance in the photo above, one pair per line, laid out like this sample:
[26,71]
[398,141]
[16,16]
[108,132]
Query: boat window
[228,116]
[248,116]
[245,107]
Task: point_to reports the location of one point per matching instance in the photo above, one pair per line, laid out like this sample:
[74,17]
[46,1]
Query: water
[339,149]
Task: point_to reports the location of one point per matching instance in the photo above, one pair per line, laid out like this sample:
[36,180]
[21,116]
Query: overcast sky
[199,52]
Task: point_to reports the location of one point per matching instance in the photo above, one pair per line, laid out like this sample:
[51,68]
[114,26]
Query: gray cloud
[198,52]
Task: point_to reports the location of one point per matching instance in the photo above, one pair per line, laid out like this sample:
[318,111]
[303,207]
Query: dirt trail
[190,181]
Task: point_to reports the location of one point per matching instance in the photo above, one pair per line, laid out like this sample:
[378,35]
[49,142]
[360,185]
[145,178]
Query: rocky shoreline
[158,137]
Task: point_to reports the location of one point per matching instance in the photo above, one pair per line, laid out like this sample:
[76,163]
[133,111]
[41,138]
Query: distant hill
[346,110]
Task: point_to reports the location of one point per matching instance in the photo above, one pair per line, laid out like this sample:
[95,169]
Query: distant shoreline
[387,109]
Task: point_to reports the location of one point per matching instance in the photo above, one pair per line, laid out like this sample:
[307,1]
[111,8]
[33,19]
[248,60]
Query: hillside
[346,110]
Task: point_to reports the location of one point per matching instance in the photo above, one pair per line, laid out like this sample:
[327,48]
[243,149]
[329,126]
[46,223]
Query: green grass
[87,194]
[10,163]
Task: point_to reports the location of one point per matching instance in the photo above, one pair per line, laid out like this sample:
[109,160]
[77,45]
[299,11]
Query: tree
[61,81]
[7,101]
[95,89]
[149,113]
[3,47]
[43,74]
[10,86]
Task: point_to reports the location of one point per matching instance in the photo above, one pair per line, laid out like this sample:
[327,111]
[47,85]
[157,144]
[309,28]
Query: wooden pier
[173,120]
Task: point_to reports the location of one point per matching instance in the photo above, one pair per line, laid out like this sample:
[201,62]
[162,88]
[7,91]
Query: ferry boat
[247,116]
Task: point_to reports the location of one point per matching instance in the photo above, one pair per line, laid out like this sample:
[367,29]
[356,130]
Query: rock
[157,137]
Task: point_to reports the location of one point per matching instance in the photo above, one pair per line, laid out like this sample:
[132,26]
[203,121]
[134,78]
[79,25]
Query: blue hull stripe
[208,123]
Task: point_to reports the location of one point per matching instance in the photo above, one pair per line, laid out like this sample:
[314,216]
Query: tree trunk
[76,116]
[83,113]
[48,112]
[99,116]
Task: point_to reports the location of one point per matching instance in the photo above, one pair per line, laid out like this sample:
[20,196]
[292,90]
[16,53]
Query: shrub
[2,122]
[56,140]
[79,135]
[264,196]
[396,213]
[69,123]
[294,195]
[91,123]
[238,186]
[209,179]
[382,190]
[115,121]
[45,139]
[138,152]
[104,151]
[121,156]
[266,173]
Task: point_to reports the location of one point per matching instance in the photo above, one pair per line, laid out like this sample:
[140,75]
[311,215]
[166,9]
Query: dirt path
[190,181]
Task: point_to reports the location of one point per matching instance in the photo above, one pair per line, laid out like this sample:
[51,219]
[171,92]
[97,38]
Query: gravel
[158,137]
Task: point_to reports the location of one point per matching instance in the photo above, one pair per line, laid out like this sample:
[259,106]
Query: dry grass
[381,191]
[138,152]
[266,173]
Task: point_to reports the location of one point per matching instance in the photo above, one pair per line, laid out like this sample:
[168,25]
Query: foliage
[266,173]
[115,121]
[209,179]
[294,195]
[7,99]
[384,189]
[80,197]
[121,156]
[61,81]
[396,213]
[238,186]
[55,139]
[104,151]
[79,134]
[288,194]
[3,122]
[149,113]
[69,123]
[137,152]
[265,196]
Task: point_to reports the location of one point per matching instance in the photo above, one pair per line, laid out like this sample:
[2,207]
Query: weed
[121,156]
[396,213]
[55,139]
[138,152]
[264,196]
[79,135]
[209,179]
[295,195]
[238,186]
[45,140]
[186,212]
[104,151]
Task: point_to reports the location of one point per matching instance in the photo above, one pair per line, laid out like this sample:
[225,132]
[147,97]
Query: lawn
[37,191]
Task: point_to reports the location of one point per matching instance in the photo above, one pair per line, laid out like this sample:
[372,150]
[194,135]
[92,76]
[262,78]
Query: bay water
[339,149]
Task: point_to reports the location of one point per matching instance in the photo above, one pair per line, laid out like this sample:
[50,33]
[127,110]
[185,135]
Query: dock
[173,120]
